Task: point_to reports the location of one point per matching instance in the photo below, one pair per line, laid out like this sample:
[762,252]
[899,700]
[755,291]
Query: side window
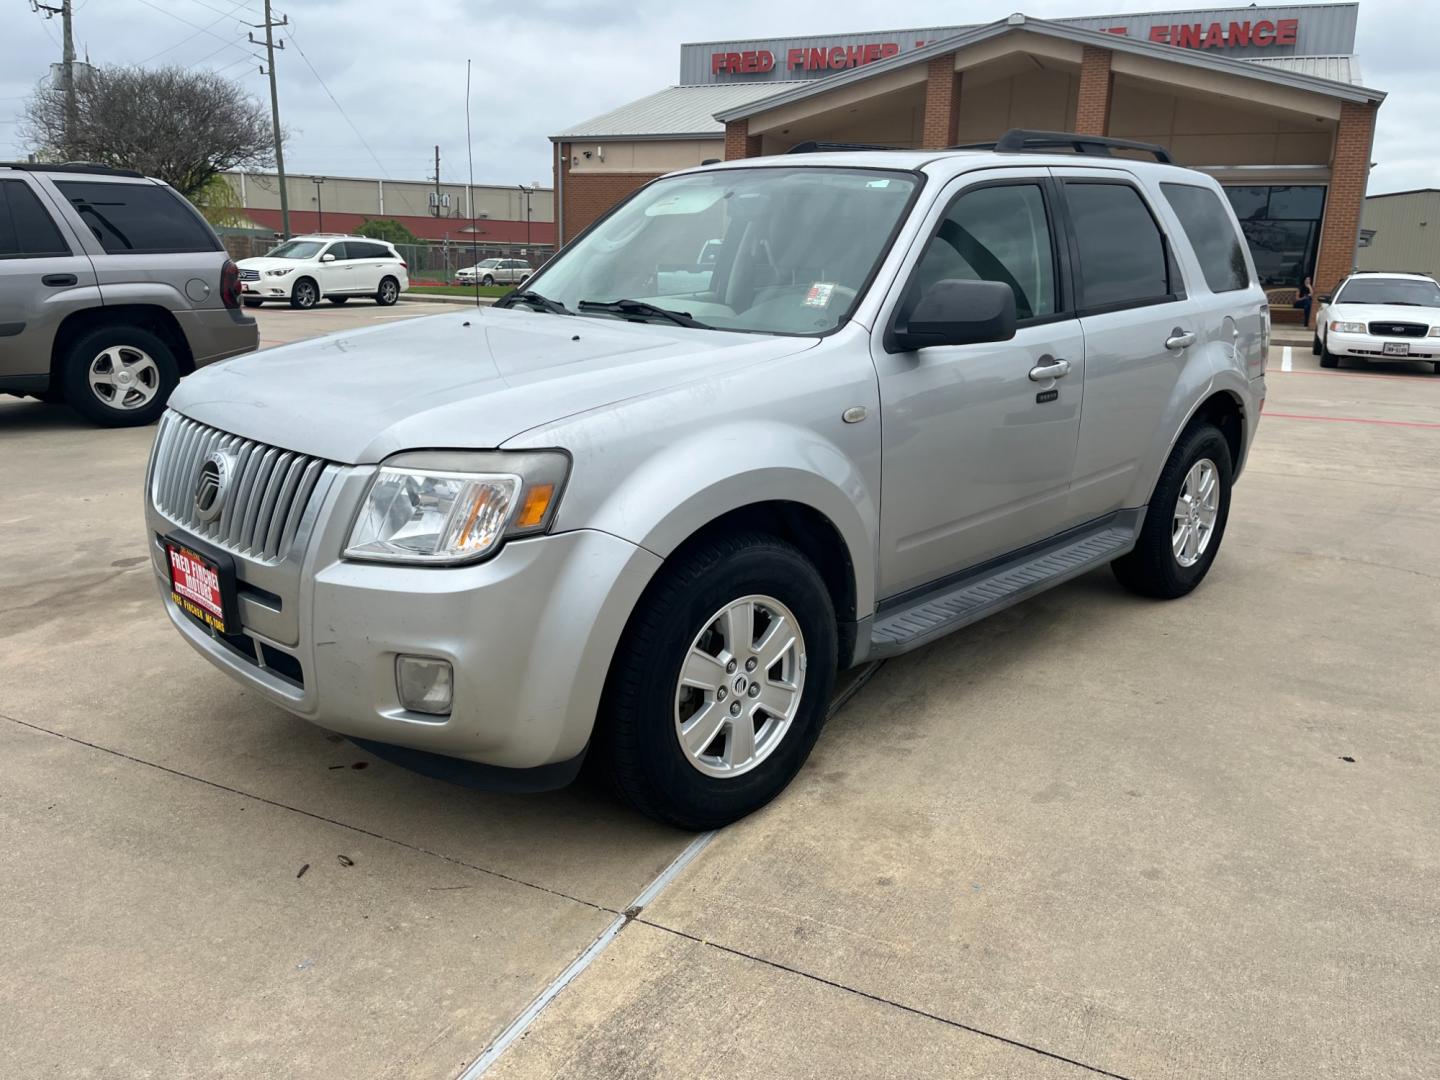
[340,250]
[26,229]
[367,251]
[1121,251]
[1211,234]
[999,233]
[138,219]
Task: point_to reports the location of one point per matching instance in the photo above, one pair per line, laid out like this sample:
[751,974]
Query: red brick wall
[942,103]
[1092,104]
[586,196]
[1349,171]
[739,143]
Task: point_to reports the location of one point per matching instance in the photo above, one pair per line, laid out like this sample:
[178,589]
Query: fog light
[424,684]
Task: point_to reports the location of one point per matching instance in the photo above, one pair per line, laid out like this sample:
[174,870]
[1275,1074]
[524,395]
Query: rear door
[979,441]
[44,276]
[367,261]
[1135,318]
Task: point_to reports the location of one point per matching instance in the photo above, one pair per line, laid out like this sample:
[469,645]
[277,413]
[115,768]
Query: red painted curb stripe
[1351,420]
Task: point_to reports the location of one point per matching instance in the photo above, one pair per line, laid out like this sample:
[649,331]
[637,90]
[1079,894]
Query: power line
[202,30]
[225,14]
[193,26]
[337,104]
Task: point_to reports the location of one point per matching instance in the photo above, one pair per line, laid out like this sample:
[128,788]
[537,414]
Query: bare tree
[181,126]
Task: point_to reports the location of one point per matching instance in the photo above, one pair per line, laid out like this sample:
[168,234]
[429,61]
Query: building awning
[674,113]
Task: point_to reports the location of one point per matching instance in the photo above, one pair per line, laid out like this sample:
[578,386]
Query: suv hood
[472,379]
[264,263]
[1383,313]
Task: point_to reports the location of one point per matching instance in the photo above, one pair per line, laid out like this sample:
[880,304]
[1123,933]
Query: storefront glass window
[1282,226]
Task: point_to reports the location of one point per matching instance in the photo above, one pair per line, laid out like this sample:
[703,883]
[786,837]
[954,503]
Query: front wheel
[721,683]
[1315,346]
[487,280]
[1327,358]
[304,294]
[252,303]
[388,292]
[1185,520]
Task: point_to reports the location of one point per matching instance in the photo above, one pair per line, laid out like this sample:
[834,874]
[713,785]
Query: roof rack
[1412,273]
[68,166]
[1023,140]
[813,147]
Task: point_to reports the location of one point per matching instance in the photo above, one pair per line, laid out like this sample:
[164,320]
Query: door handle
[1180,339]
[57,280]
[1049,368]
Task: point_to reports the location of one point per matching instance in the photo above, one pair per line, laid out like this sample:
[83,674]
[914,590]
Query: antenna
[470,191]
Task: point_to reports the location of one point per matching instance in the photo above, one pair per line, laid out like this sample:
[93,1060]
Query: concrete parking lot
[1093,835]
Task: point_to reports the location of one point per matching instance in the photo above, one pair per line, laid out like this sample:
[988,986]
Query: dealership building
[1268,100]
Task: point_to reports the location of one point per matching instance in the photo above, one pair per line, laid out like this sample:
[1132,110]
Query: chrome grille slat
[266,499]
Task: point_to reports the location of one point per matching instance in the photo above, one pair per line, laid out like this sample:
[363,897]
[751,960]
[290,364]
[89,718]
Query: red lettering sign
[836,58]
[1160,34]
[1200,36]
[1265,27]
[1239,34]
[1286,30]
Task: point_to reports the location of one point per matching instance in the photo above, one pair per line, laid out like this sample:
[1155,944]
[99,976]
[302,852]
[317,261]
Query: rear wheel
[337,300]
[388,292]
[304,294]
[721,683]
[1185,520]
[119,376]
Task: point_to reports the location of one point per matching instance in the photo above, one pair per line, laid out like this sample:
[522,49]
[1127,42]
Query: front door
[979,440]
[337,276]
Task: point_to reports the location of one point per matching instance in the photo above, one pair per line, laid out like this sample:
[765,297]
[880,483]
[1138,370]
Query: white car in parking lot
[495,272]
[307,268]
[1380,316]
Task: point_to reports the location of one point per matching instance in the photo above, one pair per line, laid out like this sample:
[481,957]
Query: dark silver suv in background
[112,287]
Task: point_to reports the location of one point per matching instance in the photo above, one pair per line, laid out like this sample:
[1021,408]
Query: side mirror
[327,257]
[957,312]
[1324,298]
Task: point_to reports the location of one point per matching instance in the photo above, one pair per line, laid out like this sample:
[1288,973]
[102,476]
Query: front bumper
[1372,347]
[218,333]
[530,634]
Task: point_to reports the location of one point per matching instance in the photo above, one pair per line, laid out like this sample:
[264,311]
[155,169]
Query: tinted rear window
[1122,252]
[26,229]
[1211,234]
[138,219]
[368,251]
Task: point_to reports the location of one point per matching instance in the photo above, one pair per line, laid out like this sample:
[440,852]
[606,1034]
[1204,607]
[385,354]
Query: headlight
[1347,327]
[436,508]
[278,273]
[1435,331]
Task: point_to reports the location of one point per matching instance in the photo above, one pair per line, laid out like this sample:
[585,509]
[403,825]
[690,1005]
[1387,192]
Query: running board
[909,621]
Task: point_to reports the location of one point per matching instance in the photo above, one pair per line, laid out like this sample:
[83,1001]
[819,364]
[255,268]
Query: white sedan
[1380,316]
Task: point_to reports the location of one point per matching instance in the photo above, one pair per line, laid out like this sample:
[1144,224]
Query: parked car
[325,266]
[112,287]
[495,272]
[650,529]
[1375,315]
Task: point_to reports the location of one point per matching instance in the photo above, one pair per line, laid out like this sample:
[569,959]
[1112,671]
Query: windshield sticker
[819,294]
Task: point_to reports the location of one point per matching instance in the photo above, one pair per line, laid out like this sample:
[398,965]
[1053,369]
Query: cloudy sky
[397,70]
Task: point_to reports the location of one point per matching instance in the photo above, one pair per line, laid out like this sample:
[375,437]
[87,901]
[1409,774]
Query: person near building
[1305,299]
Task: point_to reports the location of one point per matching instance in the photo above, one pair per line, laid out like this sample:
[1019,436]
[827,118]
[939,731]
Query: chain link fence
[431,263]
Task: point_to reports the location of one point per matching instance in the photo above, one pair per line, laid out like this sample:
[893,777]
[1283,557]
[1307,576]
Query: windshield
[487,264]
[1404,291]
[295,249]
[773,250]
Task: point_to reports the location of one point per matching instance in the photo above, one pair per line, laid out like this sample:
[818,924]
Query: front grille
[1399,329]
[249,275]
[265,496]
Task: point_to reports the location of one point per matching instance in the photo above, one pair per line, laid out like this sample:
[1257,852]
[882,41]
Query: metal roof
[674,112]
[1017,22]
[1343,69]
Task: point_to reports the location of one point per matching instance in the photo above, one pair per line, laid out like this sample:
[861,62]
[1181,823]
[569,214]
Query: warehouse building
[1401,231]
[1270,100]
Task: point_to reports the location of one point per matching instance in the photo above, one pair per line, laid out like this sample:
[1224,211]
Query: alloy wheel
[1196,510]
[124,377]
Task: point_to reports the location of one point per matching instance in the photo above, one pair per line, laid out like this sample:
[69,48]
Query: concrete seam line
[884,1000]
[518,1026]
[311,814]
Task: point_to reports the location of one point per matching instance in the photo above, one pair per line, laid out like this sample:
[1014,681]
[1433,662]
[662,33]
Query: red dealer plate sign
[198,585]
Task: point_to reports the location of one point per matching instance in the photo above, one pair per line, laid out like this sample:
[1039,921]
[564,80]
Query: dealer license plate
[1395,348]
[249,288]
[202,587]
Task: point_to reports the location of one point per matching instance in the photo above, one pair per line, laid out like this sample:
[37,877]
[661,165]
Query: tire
[521,283]
[251,303]
[304,294]
[638,735]
[487,280]
[1154,568]
[337,300]
[388,292]
[1327,358]
[1315,346]
[98,356]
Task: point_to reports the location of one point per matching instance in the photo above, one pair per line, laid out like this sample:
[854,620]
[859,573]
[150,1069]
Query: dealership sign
[813,58]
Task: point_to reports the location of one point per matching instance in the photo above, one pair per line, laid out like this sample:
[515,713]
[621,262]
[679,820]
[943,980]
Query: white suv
[1380,316]
[495,272]
[306,268]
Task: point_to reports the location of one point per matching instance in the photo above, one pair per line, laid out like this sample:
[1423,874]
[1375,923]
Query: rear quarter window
[1210,232]
[26,229]
[138,219]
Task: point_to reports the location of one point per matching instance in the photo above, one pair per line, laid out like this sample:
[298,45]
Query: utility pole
[270,46]
[527,192]
[67,70]
[436,178]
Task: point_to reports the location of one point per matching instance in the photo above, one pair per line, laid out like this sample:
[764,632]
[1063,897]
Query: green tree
[387,229]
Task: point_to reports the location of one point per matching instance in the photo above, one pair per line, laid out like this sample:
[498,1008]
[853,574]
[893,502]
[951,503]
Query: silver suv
[912,389]
[112,287]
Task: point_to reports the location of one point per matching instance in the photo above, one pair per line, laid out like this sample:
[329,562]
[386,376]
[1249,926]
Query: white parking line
[1285,359]
[585,959]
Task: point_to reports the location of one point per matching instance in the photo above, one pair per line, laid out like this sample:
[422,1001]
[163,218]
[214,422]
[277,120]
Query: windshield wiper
[642,309]
[534,299]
